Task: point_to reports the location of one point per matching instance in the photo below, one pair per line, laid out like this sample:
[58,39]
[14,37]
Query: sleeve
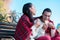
[23,30]
[34,30]
[26,24]
[53,32]
[34,33]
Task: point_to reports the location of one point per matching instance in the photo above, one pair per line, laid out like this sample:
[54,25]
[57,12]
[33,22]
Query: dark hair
[27,11]
[47,9]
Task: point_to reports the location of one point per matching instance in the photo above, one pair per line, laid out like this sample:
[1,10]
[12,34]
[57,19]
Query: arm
[23,29]
[53,30]
[51,25]
[34,27]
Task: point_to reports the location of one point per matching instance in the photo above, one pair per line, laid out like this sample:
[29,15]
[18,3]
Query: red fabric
[49,29]
[56,38]
[23,28]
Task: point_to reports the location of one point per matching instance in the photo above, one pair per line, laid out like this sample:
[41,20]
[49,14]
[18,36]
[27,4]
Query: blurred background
[9,7]
[40,5]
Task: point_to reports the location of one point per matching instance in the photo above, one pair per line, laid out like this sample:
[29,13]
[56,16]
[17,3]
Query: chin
[33,14]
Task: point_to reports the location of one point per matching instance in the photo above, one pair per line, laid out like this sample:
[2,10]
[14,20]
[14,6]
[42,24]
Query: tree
[3,15]
[15,15]
[1,3]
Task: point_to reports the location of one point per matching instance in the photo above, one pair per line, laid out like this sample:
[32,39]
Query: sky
[40,5]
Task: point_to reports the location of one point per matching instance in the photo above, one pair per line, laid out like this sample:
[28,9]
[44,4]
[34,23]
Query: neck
[43,20]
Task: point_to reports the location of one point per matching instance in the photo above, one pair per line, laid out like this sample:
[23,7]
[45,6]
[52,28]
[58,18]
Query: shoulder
[37,20]
[24,18]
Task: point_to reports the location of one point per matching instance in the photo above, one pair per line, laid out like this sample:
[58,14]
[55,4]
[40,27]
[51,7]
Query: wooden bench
[7,30]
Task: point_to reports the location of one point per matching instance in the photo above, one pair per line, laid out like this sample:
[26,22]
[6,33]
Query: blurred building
[58,26]
[6,4]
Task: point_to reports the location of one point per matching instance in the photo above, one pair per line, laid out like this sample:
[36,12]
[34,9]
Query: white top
[37,32]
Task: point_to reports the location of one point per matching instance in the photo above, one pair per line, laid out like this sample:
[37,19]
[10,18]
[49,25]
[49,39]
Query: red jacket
[23,28]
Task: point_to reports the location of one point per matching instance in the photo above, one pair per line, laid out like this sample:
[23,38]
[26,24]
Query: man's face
[46,15]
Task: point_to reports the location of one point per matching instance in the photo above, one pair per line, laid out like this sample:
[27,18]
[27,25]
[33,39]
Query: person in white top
[45,29]
[37,31]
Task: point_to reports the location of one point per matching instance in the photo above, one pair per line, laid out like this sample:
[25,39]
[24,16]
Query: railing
[7,30]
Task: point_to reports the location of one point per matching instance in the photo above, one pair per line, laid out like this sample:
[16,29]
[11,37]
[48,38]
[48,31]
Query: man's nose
[47,17]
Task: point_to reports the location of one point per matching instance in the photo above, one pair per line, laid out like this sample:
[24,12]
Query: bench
[7,30]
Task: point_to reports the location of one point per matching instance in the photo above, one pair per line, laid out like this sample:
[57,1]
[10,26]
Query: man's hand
[51,25]
[45,26]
